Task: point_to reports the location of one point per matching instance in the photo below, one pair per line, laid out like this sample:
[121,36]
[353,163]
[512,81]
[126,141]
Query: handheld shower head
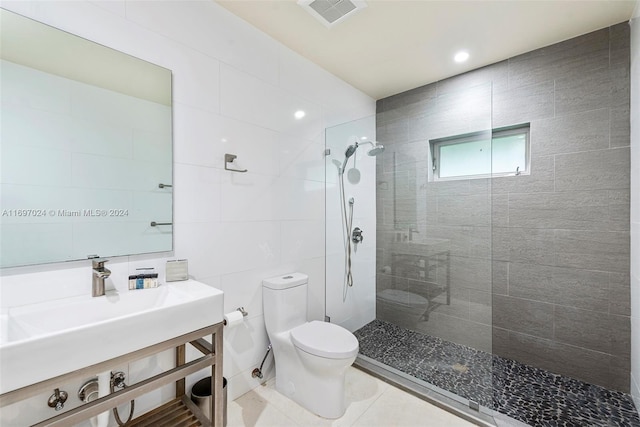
[348,153]
[350,150]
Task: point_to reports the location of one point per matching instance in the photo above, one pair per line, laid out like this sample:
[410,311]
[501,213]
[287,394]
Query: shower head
[377,149]
[374,151]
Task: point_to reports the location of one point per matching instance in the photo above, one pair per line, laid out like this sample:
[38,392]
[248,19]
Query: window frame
[436,144]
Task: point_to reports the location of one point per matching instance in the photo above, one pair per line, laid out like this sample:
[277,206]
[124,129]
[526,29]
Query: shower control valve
[356,235]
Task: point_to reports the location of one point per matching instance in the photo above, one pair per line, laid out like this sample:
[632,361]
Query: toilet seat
[325,340]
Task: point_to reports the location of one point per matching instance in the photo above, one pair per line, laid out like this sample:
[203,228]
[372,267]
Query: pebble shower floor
[528,394]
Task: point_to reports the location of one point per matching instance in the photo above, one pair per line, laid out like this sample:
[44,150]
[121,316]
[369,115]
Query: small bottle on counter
[144,279]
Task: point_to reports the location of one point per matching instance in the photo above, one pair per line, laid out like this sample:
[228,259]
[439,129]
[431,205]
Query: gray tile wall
[539,264]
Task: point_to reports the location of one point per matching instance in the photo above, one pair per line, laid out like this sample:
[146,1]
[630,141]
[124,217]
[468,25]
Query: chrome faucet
[99,274]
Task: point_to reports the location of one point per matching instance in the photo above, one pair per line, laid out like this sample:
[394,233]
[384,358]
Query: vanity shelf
[177,413]
[185,412]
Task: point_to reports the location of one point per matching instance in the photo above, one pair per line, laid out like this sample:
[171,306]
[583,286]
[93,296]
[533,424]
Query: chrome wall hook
[229,158]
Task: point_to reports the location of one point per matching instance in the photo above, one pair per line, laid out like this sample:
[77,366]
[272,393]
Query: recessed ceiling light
[461,56]
[299,114]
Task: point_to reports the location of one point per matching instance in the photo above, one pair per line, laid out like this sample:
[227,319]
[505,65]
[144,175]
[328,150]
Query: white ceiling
[395,45]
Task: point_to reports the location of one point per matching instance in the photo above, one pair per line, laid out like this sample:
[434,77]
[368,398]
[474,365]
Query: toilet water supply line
[104,384]
[117,381]
[347,220]
[257,372]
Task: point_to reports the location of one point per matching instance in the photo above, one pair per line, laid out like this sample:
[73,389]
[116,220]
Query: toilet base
[315,383]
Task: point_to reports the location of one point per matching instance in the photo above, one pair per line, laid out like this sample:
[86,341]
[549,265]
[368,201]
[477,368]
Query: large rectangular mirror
[85,148]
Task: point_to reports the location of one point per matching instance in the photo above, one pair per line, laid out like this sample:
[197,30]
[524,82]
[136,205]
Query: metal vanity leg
[217,401]
[180,360]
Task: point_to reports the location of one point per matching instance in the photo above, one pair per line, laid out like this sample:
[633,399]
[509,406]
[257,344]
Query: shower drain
[463,369]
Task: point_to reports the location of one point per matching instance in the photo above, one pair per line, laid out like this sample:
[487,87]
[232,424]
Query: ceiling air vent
[331,12]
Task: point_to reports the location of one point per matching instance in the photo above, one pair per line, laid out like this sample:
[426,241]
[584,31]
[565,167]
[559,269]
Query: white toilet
[311,357]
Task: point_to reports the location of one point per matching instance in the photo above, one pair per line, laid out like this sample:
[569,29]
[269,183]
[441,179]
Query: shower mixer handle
[356,235]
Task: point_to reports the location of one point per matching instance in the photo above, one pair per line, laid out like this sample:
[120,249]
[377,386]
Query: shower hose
[347,220]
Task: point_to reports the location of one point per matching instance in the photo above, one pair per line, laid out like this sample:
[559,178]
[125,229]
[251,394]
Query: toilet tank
[284,301]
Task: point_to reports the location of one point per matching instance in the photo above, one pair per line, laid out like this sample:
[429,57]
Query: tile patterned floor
[528,394]
[371,403]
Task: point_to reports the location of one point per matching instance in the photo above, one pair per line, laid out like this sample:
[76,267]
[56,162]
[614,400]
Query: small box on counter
[177,270]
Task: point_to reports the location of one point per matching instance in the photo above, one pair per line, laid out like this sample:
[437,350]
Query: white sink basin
[41,341]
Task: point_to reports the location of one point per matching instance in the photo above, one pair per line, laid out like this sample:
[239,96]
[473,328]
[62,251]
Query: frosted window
[466,158]
[477,156]
[509,153]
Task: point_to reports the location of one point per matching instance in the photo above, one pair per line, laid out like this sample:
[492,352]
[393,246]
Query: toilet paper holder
[241,310]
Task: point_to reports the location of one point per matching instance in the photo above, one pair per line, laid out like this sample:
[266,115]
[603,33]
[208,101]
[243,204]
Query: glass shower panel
[433,273]
[351,306]
[458,275]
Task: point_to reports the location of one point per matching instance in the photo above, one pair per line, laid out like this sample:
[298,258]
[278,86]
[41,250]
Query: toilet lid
[325,340]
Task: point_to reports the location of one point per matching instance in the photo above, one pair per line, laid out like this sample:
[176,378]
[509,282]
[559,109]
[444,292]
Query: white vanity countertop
[44,340]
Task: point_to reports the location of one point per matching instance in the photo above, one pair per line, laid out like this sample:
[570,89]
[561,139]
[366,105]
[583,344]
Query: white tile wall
[32,166]
[212,30]
[44,242]
[270,106]
[28,87]
[235,91]
[36,128]
[635,206]
[189,205]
